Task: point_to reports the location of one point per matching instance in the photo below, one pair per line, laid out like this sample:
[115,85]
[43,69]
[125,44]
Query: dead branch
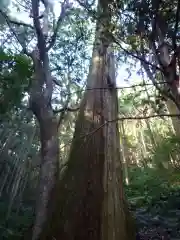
[145,117]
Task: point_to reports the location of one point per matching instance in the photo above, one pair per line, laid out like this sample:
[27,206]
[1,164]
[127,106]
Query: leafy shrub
[166,154]
[149,185]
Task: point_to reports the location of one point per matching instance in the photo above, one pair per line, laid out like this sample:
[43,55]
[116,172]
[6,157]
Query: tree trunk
[175,120]
[90,199]
[40,104]
[48,172]
[151,135]
[124,152]
[143,149]
[49,158]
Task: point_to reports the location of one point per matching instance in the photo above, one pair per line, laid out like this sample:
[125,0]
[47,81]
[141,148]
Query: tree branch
[121,119]
[176,26]
[117,88]
[8,21]
[39,32]
[15,22]
[116,39]
[66,109]
[145,117]
[136,56]
[64,6]
[44,58]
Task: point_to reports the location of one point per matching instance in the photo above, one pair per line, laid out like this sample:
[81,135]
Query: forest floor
[154,199]
[155,202]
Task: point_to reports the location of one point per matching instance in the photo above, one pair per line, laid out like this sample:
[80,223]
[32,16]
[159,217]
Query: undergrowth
[154,197]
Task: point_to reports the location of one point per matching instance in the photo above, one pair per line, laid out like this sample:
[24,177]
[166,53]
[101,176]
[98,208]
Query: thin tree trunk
[4,179]
[49,161]
[123,146]
[154,143]
[175,120]
[48,171]
[40,104]
[136,157]
[144,150]
[90,199]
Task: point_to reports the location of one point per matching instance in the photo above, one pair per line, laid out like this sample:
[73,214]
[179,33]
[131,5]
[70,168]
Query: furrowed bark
[90,201]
